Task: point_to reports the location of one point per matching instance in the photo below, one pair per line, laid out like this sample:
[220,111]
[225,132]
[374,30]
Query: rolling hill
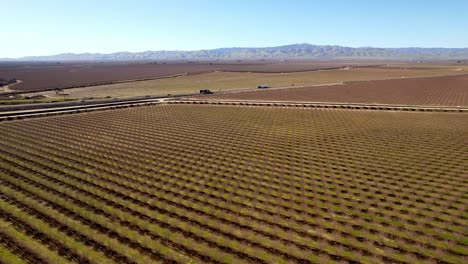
[295,51]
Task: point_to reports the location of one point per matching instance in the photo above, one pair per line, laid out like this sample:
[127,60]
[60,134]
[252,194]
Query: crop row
[80,166]
[442,90]
[182,183]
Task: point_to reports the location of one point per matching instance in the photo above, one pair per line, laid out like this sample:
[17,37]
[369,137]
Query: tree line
[4,82]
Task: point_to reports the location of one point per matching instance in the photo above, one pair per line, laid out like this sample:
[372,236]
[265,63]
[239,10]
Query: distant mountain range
[292,52]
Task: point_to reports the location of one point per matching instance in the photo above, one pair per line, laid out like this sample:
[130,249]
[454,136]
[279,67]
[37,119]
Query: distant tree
[4,82]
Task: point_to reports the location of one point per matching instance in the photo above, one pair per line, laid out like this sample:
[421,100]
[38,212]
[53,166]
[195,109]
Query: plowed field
[444,90]
[225,81]
[39,76]
[210,184]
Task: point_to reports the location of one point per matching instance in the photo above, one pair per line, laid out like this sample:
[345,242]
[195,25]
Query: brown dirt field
[37,76]
[444,90]
[224,81]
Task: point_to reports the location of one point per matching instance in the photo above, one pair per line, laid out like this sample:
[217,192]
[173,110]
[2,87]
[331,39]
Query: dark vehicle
[262,86]
[206,91]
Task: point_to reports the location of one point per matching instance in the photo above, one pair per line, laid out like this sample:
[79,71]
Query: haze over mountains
[295,51]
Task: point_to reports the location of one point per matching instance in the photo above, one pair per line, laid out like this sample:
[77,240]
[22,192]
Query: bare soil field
[443,91]
[37,76]
[211,184]
[225,81]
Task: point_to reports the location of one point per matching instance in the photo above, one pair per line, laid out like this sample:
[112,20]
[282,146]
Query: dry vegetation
[49,75]
[226,81]
[206,184]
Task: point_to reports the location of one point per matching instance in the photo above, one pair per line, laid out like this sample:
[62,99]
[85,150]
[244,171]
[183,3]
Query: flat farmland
[211,184]
[227,81]
[437,91]
[49,75]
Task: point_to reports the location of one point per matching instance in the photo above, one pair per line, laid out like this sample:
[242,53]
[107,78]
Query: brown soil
[444,90]
[235,81]
[38,76]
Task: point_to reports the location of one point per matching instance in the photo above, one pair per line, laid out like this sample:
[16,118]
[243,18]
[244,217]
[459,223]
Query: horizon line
[232,47]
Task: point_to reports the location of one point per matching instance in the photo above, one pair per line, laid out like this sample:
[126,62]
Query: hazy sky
[45,27]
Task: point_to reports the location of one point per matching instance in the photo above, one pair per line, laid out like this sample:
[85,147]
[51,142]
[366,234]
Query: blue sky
[48,27]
